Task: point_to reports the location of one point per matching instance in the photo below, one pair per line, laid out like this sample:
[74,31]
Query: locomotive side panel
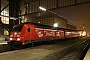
[49,33]
[29,34]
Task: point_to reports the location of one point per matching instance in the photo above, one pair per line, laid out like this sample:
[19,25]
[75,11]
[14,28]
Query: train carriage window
[28,29]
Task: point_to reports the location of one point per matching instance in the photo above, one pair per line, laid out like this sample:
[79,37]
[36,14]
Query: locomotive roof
[37,25]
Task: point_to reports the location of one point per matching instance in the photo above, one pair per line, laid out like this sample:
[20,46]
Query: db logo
[40,34]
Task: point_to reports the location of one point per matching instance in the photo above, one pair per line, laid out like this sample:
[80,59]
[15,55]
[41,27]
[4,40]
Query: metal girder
[0,7]
[14,10]
[57,3]
[4,7]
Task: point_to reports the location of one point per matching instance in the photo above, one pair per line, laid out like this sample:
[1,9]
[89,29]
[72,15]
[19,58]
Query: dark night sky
[78,16]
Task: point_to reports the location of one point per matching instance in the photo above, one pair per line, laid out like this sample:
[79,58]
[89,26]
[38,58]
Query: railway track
[74,52]
[6,47]
[53,51]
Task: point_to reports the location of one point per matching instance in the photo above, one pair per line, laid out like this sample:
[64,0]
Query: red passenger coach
[31,32]
[71,33]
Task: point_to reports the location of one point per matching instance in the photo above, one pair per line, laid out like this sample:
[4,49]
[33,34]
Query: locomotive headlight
[18,39]
[10,39]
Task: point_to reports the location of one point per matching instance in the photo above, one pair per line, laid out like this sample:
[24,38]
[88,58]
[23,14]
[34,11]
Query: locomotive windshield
[17,29]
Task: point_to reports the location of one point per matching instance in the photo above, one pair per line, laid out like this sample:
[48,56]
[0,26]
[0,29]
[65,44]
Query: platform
[87,56]
[2,40]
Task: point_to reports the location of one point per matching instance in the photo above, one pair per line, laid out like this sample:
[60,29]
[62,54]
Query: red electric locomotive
[28,32]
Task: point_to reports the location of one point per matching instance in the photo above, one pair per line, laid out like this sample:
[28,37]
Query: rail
[64,53]
[83,53]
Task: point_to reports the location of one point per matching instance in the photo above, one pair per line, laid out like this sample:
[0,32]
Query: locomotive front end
[15,35]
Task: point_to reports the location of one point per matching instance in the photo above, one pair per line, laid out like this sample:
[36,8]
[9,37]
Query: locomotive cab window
[28,29]
[17,29]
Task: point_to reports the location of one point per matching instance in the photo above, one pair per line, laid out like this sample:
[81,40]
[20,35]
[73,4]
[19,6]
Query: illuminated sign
[50,33]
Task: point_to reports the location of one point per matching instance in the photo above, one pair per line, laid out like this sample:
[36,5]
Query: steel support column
[0,18]
[14,10]
[0,12]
